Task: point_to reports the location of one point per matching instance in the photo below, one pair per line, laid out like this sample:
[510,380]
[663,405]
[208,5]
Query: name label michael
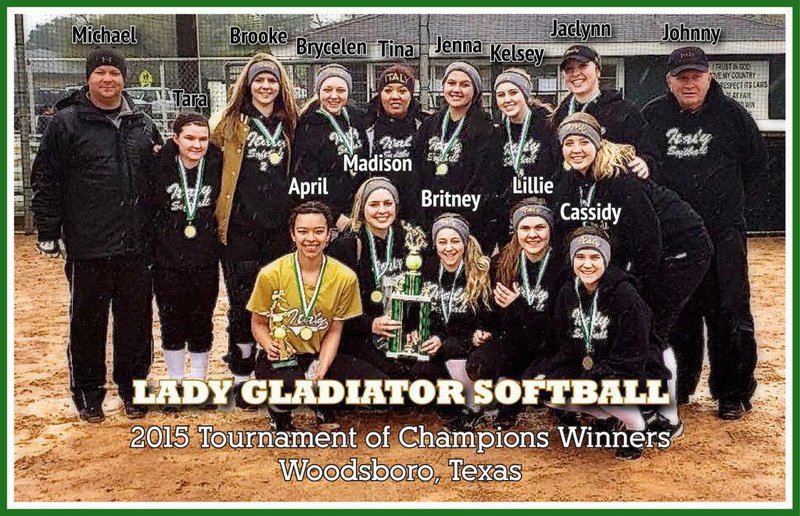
[88,35]
[450,200]
[599,212]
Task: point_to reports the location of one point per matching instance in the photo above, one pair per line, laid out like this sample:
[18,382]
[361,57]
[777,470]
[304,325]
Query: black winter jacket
[318,153]
[712,158]
[90,179]
[171,248]
[624,342]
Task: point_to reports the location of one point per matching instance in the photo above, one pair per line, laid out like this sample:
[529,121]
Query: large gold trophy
[409,294]
[287,353]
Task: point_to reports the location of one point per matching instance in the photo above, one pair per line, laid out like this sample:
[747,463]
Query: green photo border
[794,218]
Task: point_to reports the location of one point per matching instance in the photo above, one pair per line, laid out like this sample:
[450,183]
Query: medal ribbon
[308,306]
[586,330]
[447,310]
[522,138]
[379,273]
[272,139]
[523,265]
[190,205]
[589,198]
[348,142]
[572,103]
[452,141]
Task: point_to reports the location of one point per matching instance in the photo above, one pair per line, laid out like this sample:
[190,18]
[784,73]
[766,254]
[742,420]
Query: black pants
[125,285]
[240,266]
[343,367]
[723,301]
[186,300]
[394,368]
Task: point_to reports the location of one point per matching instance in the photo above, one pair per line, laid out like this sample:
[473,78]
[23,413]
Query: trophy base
[288,362]
[413,356]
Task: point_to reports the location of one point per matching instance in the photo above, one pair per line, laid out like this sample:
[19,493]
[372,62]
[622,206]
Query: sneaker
[92,414]
[467,421]
[326,420]
[281,421]
[629,452]
[662,424]
[134,411]
[568,418]
[609,424]
[239,400]
[730,410]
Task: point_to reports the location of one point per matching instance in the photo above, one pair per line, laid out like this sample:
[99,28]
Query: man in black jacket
[710,151]
[90,179]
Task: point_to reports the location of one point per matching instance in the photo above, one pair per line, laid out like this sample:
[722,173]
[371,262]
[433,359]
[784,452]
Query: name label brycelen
[303,188]
[450,200]
[341,48]
[603,212]
[88,35]
[376,163]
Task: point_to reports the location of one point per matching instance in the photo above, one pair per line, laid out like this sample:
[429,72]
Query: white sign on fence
[747,82]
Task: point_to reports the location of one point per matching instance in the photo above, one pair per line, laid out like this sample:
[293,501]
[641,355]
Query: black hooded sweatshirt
[712,158]
[390,137]
[474,167]
[91,176]
[318,153]
[171,247]
[624,342]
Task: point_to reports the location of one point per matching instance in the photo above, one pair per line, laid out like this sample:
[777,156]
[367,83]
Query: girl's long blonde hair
[476,267]
[612,158]
[285,107]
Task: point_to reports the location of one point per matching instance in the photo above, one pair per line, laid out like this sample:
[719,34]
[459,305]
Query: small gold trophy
[287,353]
[409,293]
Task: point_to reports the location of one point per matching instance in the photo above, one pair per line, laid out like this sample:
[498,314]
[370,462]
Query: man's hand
[639,167]
[51,248]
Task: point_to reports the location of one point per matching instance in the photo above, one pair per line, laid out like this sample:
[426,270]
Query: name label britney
[450,200]
[601,212]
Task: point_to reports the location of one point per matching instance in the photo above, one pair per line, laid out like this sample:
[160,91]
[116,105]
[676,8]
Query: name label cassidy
[376,163]
[450,200]
[687,34]
[303,188]
[88,35]
[602,212]
[580,30]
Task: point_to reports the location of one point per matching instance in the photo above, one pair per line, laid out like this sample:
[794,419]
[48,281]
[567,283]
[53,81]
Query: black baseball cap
[582,53]
[687,58]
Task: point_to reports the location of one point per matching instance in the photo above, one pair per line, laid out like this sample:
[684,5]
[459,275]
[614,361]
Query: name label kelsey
[580,30]
[450,200]
[190,100]
[599,212]
[88,35]
[303,188]
[686,34]
[531,186]
[376,163]
[513,54]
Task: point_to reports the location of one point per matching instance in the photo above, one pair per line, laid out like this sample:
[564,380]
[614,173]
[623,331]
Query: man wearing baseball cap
[710,151]
[89,202]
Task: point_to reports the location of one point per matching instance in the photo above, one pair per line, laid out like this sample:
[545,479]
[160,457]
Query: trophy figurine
[408,293]
[287,354]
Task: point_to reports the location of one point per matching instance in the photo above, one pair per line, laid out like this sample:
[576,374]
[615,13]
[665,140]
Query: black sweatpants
[394,368]
[186,300]
[123,284]
[723,301]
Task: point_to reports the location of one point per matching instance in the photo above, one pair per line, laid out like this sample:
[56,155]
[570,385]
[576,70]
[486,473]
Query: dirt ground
[58,458]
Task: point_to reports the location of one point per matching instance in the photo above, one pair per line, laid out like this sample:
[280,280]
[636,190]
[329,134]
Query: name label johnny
[450,200]
[88,35]
[600,212]
[686,34]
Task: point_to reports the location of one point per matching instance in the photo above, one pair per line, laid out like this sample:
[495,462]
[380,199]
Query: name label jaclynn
[580,30]
[304,188]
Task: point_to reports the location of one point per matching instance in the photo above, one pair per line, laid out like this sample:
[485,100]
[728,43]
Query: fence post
[22,87]
[424,61]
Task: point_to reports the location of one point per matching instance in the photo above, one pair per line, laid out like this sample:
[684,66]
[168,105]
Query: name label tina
[686,34]
[376,163]
[269,36]
[450,200]
[88,35]
[341,48]
[580,30]
[304,188]
[190,100]
[600,212]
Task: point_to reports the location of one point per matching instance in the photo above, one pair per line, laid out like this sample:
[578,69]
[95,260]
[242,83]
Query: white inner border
[10,57]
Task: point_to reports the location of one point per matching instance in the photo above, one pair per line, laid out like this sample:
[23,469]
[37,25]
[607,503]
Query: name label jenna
[450,200]
[88,35]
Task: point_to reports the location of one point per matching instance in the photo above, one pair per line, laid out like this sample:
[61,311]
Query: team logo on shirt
[530,153]
[352,136]
[259,149]
[537,299]
[599,330]
[687,145]
[176,197]
[441,296]
[435,147]
[293,318]
[390,147]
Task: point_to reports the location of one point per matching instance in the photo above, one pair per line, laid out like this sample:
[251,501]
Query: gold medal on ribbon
[306,333]
[279,333]
[274,158]
[376,296]
[190,232]
[588,362]
[441,169]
